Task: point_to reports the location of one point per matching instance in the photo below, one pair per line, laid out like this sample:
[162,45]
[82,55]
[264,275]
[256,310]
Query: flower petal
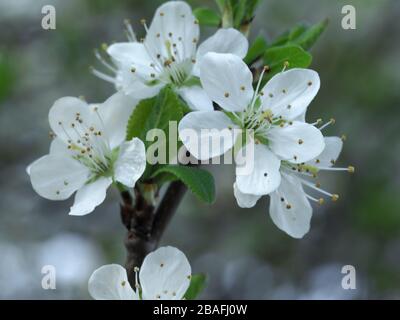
[328,157]
[223,41]
[227,80]
[62,117]
[57,177]
[135,86]
[90,196]
[135,57]
[262,174]
[293,214]
[165,274]
[114,113]
[244,200]
[131,162]
[173,22]
[206,134]
[297,142]
[196,98]
[110,282]
[289,93]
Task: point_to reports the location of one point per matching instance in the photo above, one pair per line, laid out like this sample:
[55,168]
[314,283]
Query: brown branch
[145,224]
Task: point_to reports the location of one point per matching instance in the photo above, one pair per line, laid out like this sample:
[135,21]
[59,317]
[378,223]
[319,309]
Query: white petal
[115,112]
[175,23]
[227,80]
[298,142]
[328,157]
[59,147]
[110,282]
[264,176]
[135,86]
[289,93]
[131,162]
[62,116]
[196,98]
[90,196]
[165,274]
[206,134]
[244,200]
[296,220]
[133,55]
[223,41]
[57,177]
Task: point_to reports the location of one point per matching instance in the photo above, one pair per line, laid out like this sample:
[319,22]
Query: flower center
[89,145]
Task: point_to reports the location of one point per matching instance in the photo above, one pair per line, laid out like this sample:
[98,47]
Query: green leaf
[200,182]
[302,35]
[256,50]
[197,284]
[153,113]
[309,36]
[207,17]
[276,57]
[239,12]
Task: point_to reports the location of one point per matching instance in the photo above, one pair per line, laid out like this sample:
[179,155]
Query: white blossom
[88,152]
[168,55]
[273,115]
[165,275]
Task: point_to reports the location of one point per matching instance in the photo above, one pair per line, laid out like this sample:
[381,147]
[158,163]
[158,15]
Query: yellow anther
[332,121]
[321,201]
[335,197]
[351,169]
[343,137]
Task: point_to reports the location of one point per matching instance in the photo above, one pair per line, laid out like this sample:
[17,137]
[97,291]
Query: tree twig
[146,224]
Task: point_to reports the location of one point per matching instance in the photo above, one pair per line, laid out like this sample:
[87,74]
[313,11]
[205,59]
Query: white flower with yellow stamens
[271,115]
[169,56]
[165,275]
[290,208]
[88,152]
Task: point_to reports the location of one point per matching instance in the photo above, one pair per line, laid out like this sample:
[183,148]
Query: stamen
[129,31]
[331,121]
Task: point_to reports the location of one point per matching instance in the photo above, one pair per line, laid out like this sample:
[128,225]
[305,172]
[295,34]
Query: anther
[309,83]
[288,206]
[136,269]
[242,88]
[265,174]
[300,141]
[335,197]
[123,283]
[143,21]
[350,169]
[343,137]
[271,95]
[226,94]
[133,70]
[321,201]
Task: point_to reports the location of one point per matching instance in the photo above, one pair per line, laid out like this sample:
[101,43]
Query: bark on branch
[146,224]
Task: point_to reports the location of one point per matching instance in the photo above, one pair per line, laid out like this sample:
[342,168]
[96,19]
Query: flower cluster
[265,119]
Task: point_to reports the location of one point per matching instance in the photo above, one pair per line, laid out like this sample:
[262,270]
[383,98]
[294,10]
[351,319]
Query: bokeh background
[243,253]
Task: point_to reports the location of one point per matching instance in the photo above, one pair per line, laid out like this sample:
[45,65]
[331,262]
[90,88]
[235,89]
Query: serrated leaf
[256,50]
[276,57]
[207,17]
[200,182]
[197,285]
[153,113]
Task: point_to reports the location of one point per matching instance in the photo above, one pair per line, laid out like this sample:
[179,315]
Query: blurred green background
[243,253]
